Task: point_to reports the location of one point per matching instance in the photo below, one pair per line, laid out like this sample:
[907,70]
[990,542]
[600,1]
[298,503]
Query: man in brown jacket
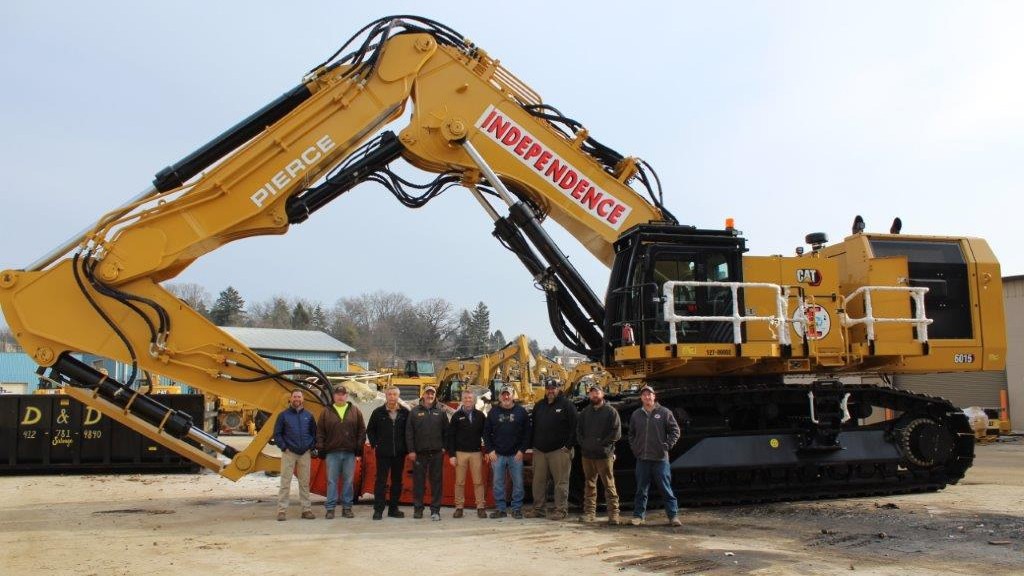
[340,434]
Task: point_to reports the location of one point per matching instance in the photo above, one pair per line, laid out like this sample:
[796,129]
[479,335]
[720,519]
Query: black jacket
[554,424]
[507,431]
[387,436]
[426,428]
[465,435]
[597,431]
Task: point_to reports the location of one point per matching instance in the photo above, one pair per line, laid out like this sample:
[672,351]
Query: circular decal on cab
[815,318]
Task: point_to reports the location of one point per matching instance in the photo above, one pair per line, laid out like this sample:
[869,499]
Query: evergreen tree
[480,329]
[462,346]
[280,316]
[534,347]
[300,318]
[553,352]
[319,319]
[229,309]
[497,341]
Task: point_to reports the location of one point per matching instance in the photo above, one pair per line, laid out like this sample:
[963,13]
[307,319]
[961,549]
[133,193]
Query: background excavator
[509,365]
[686,310]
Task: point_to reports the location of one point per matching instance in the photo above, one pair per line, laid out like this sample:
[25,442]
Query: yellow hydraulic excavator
[713,329]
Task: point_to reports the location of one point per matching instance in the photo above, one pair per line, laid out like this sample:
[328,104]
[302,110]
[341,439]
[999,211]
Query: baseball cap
[647,389]
[508,389]
[430,389]
[595,386]
[549,383]
[340,389]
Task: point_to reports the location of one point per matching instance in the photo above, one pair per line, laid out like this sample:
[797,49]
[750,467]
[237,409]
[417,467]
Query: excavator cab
[648,256]
[417,368]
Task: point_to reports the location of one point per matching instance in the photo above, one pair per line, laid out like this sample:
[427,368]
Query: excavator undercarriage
[760,442]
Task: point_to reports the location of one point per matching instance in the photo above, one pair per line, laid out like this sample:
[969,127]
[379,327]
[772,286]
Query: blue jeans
[515,468]
[658,472]
[339,464]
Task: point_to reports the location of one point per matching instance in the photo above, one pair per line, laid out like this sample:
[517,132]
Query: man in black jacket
[465,438]
[424,436]
[386,432]
[598,428]
[554,435]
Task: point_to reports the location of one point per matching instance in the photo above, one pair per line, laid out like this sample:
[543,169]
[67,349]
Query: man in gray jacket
[653,431]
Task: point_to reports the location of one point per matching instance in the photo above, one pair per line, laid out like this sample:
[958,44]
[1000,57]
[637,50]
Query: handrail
[737,319]
[920,321]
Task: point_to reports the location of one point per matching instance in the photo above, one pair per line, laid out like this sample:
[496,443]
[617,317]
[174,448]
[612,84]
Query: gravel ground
[203,524]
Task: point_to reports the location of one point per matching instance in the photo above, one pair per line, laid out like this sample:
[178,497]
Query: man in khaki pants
[598,428]
[295,435]
[554,435]
[465,437]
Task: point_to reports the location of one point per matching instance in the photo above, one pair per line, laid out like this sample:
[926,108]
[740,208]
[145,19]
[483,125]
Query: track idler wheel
[925,442]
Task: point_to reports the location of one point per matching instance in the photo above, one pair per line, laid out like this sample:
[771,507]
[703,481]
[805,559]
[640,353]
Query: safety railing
[777,322]
[919,320]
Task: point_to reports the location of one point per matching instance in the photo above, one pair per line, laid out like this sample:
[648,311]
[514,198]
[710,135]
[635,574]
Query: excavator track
[759,443]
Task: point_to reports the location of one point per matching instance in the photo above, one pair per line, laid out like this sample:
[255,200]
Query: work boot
[535,513]
[481,513]
[517,514]
[378,514]
[281,516]
[588,518]
[557,515]
[395,513]
[498,514]
[417,513]
[637,521]
[458,513]
[675,521]
[329,515]
[347,513]
[308,515]
[613,518]
[435,516]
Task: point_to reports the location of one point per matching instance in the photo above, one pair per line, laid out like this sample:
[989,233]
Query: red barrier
[366,473]
[318,477]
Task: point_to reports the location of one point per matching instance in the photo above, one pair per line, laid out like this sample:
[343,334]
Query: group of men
[425,434]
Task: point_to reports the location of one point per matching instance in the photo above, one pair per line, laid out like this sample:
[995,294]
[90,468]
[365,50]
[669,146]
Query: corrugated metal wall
[328,362]
[1013,291]
[963,390]
[18,367]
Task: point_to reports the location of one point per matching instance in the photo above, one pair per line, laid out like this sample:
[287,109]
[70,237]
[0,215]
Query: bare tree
[7,341]
[192,294]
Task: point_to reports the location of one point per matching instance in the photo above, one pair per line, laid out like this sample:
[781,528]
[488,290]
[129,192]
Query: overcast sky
[791,117]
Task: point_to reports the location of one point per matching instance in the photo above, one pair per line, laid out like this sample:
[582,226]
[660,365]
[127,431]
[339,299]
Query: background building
[324,351]
[18,370]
